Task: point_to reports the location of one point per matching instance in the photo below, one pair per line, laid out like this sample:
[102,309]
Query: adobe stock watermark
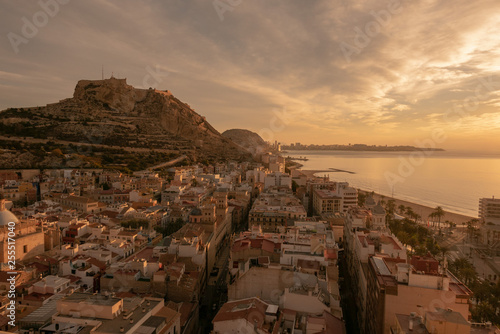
[222,6]
[31,27]
[444,302]
[407,165]
[153,77]
[471,103]
[277,123]
[363,37]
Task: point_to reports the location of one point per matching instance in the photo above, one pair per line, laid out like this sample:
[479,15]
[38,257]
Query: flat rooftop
[113,326]
[86,298]
[43,313]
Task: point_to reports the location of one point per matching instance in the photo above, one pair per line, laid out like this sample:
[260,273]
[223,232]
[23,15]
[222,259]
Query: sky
[397,72]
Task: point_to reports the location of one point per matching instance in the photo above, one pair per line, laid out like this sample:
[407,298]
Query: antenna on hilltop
[102,72]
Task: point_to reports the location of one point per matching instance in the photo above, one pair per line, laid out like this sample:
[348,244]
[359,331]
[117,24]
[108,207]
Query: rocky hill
[112,115]
[249,140]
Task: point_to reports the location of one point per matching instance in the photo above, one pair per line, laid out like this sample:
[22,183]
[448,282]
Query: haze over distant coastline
[358,147]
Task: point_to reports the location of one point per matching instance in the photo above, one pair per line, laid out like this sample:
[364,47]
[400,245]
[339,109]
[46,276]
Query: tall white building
[489,210]
[489,213]
[256,175]
[334,197]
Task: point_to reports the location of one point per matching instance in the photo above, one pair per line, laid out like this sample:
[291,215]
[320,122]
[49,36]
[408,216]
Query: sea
[451,179]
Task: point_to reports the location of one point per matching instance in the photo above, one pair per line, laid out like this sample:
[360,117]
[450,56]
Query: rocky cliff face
[111,112]
[114,93]
[249,140]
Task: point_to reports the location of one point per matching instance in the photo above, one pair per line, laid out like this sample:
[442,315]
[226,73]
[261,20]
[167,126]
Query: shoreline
[423,210]
[312,172]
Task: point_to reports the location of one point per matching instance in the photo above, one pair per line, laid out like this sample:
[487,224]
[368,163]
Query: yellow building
[22,240]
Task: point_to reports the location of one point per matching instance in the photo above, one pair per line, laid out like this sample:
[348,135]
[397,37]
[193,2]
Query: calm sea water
[450,179]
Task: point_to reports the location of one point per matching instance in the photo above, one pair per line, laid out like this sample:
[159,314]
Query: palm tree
[471,227]
[413,243]
[402,208]
[431,217]
[449,223]
[404,237]
[438,212]
[361,199]
[484,312]
[444,251]
[459,264]
[409,210]
[469,275]
[390,206]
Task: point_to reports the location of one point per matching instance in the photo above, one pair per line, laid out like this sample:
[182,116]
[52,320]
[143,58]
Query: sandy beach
[422,210]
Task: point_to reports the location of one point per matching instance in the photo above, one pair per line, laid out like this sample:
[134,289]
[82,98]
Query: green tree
[390,207]
[171,227]
[431,217]
[469,275]
[464,270]
[471,227]
[439,213]
[361,199]
[409,211]
[404,237]
[413,242]
[484,312]
[443,250]
[135,223]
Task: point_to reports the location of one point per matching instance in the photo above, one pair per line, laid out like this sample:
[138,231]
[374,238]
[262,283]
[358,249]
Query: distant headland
[357,147]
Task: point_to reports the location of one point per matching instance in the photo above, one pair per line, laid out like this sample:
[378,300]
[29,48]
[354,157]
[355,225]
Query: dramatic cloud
[311,71]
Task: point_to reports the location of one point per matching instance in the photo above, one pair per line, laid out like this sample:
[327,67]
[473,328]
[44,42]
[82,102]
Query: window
[25,249]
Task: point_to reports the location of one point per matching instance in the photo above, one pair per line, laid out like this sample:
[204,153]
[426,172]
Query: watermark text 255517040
[11,274]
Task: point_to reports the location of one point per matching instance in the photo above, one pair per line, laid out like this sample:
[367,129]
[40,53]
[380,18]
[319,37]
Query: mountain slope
[249,140]
[112,113]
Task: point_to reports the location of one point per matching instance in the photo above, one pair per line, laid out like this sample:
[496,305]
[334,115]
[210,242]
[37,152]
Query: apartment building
[271,211]
[333,197]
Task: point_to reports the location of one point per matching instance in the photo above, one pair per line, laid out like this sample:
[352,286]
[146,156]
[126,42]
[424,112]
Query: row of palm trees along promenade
[456,241]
